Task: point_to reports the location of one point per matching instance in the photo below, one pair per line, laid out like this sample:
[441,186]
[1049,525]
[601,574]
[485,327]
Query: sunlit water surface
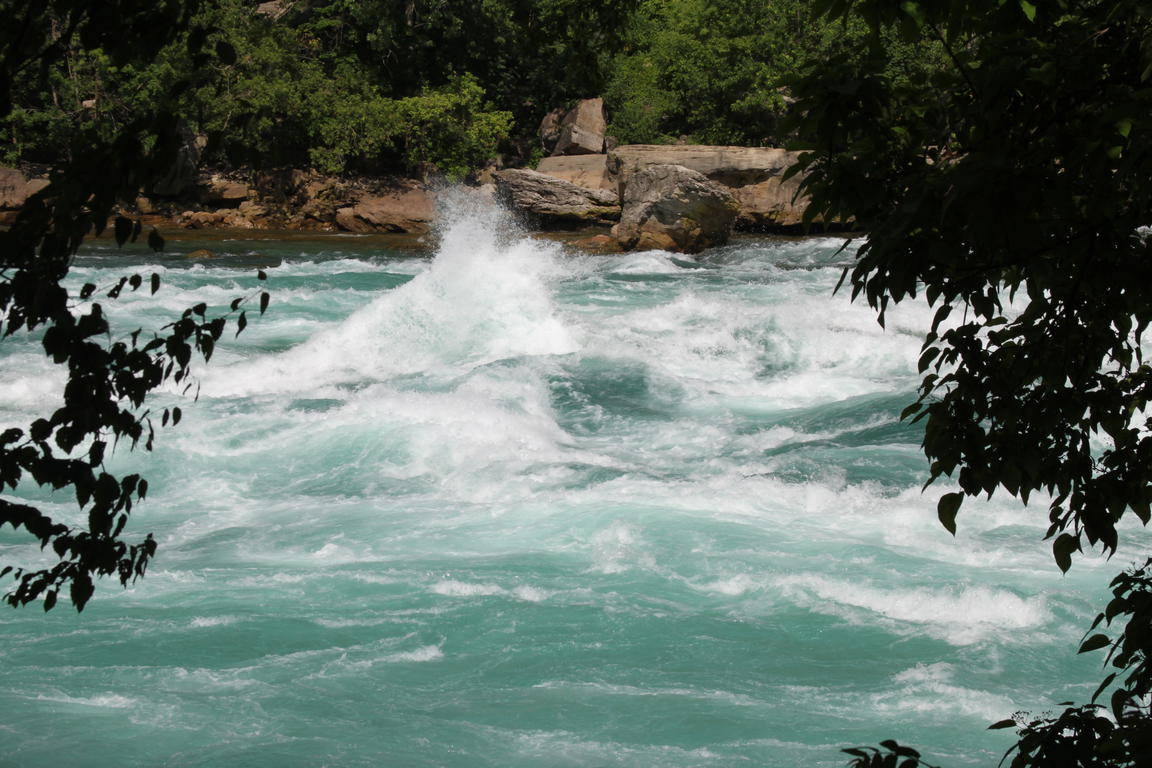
[514,505]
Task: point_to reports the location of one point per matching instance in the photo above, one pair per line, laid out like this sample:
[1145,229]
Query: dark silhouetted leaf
[1094,643]
[155,241]
[946,510]
[122,229]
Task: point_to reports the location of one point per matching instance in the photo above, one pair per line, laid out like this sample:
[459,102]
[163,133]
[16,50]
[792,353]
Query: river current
[515,505]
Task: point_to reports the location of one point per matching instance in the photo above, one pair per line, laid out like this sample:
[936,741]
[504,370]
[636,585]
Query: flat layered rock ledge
[707,190]
[692,179]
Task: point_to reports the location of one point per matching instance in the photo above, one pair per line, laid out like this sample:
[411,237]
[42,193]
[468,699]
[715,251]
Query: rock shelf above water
[562,192]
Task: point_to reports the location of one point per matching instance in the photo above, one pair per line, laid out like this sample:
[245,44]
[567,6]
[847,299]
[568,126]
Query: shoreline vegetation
[302,114]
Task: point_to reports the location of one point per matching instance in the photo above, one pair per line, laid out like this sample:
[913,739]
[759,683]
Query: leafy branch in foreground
[104,398]
[890,755]
[107,381]
[1011,191]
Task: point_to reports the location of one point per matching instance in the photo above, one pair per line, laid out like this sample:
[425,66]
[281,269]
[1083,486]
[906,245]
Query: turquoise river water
[513,505]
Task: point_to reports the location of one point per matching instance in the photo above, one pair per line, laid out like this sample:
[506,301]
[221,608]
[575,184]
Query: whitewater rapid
[516,505]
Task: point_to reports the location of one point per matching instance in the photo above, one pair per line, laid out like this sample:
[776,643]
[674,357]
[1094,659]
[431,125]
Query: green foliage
[707,70]
[447,130]
[1010,190]
[1019,173]
[267,94]
[109,376]
[527,55]
[439,132]
[715,72]
[358,85]
[1085,736]
[86,95]
[1130,653]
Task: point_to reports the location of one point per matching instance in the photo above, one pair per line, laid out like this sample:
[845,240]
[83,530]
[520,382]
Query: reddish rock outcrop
[410,208]
[222,192]
[15,188]
[550,129]
[589,171]
[582,130]
[180,176]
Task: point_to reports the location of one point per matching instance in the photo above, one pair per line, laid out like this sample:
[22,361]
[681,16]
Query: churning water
[514,505]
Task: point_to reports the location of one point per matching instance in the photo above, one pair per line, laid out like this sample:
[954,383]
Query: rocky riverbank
[682,197]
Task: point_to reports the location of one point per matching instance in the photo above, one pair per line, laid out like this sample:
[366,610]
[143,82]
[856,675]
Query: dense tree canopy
[369,86]
[1011,191]
[377,86]
[712,71]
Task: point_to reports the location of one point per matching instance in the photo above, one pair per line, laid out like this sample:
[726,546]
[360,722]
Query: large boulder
[752,174]
[673,208]
[319,203]
[409,207]
[589,171]
[582,130]
[281,186]
[273,9]
[547,200]
[550,128]
[15,188]
[221,192]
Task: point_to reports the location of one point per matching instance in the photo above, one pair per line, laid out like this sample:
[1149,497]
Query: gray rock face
[582,130]
[589,171]
[673,208]
[549,200]
[752,174]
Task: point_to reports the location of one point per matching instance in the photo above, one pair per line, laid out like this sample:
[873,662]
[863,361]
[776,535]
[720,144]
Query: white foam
[424,653]
[647,263]
[722,697]
[346,623]
[486,297]
[929,689]
[960,615]
[619,548]
[453,588]
[104,701]
[734,586]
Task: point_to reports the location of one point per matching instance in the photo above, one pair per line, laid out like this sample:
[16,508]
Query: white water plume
[485,297]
